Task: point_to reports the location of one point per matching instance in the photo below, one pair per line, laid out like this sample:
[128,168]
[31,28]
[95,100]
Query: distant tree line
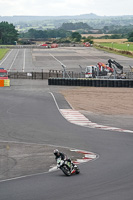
[64,31]
[8,33]
[55,33]
[130,37]
[83,28]
[75,26]
[58,34]
[123,30]
[113,36]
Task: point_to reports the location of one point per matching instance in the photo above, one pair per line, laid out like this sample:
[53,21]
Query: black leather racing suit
[63,157]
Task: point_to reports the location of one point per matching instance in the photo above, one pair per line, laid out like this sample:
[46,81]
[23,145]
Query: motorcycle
[67,167]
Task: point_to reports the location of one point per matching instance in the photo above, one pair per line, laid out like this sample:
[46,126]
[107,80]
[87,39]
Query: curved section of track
[77,118]
[31,116]
[28,114]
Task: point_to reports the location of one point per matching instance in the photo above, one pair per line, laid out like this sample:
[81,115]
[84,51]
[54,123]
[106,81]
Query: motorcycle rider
[59,154]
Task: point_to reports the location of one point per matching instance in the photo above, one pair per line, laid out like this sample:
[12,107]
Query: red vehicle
[102,67]
[92,71]
[87,44]
[54,45]
[3,73]
[44,45]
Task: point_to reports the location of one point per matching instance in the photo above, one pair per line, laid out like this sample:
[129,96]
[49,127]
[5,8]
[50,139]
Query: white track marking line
[6,57]
[13,61]
[55,101]
[20,177]
[54,168]
[89,124]
[57,59]
[24,61]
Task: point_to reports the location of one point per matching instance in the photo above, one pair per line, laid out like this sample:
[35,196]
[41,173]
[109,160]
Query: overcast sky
[65,7]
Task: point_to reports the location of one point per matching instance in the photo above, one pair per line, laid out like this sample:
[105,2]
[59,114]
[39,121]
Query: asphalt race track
[30,60]
[29,114]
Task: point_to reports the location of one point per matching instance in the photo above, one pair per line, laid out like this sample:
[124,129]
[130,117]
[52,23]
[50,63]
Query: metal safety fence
[28,75]
[44,75]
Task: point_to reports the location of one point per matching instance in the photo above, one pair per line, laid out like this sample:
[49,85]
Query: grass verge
[123,46]
[113,50]
[3,52]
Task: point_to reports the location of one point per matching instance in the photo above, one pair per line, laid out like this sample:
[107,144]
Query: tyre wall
[91,82]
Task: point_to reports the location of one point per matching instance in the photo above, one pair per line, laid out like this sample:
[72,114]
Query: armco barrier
[91,82]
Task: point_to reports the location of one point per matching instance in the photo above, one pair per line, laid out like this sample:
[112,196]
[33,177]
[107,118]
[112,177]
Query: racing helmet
[56,151]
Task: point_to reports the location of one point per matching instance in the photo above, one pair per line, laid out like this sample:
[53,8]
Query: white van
[91,71]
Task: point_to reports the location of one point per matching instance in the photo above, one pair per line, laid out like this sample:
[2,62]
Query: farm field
[121,46]
[120,41]
[94,35]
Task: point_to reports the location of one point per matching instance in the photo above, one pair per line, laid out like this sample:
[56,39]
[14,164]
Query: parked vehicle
[87,44]
[91,71]
[118,69]
[112,69]
[3,73]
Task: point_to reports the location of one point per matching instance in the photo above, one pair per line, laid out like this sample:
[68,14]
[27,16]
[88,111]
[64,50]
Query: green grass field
[124,47]
[3,52]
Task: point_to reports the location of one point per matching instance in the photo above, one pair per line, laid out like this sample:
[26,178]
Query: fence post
[56,74]
[49,73]
[42,74]
[72,74]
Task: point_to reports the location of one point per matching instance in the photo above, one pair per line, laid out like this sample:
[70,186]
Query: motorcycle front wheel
[66,170]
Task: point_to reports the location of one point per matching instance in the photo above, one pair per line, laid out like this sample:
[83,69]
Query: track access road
[29,114]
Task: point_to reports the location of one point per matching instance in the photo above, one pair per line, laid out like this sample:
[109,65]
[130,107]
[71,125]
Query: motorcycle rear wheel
[77,170]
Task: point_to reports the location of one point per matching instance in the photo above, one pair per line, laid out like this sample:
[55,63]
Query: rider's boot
[75,166]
